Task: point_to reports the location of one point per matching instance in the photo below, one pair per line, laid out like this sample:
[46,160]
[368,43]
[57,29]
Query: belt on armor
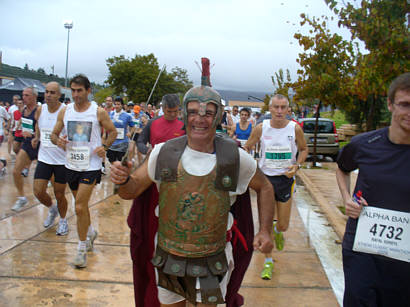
[178,274]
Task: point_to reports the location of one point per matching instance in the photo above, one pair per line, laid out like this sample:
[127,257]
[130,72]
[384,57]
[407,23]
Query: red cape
[144,224]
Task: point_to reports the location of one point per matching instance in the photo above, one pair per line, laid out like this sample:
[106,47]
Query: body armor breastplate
[193,215]
[194,209]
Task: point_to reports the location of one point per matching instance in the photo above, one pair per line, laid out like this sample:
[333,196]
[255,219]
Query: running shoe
[52,214]
[19,204]
[62,228]
[279,239]
[267,270]
[80,260]
[90,241]
[24,172]
[3,172]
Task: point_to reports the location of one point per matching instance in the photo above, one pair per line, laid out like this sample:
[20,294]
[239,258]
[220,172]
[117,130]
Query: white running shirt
[48,152]
[278,148]
[84,135]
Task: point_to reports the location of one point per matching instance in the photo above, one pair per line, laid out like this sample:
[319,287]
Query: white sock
[22,198]
[82,245]
[90,231]
[63,220]
[53,208]
[268,260]
[276,229]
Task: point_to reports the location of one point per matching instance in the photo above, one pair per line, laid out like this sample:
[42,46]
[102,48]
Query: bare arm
[144,138]
[302,149]
[301,144]
[131,131]
[352,208]
[253,138]
[58,127]
[266,210]
[105,122]
[34,141]
[10,122]
[137,183]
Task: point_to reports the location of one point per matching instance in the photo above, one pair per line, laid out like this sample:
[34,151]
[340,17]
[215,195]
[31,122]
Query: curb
[336,218]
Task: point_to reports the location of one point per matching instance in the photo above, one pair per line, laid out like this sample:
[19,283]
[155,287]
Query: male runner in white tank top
[51,160]
[80,126]
[281,140]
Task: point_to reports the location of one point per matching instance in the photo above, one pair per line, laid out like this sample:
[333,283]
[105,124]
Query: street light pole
[68,25]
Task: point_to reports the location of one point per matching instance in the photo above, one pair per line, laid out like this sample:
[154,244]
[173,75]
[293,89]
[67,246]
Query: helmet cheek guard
[203,95]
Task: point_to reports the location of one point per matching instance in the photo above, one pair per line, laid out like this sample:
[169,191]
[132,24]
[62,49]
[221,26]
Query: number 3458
[77,156]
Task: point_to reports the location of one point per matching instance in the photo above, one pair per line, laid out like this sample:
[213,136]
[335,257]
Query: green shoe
[279,240]
[267,271]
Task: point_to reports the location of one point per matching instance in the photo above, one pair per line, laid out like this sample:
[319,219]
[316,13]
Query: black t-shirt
[384,174]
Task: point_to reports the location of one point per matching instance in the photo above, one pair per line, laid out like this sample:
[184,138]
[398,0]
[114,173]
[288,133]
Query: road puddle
[324,240]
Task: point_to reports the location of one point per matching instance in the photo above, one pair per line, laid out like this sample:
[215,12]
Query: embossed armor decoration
[193,215]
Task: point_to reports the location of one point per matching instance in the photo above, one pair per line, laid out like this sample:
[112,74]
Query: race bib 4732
[383,232]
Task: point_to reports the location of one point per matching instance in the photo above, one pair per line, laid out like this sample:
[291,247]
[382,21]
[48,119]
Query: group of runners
[66,141]
[192,257]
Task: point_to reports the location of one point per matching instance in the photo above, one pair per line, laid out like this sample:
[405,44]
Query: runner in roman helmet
[217,171]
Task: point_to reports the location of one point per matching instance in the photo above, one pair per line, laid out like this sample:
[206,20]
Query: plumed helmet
[204,94]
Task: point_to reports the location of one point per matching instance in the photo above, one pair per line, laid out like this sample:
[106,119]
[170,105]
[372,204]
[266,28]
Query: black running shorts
[283,187]
[74,178]
[31,152]
[45,171]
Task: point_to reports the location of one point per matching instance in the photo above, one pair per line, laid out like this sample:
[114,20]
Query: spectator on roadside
[376,255]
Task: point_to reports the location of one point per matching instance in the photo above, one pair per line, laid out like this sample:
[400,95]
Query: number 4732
[389,232]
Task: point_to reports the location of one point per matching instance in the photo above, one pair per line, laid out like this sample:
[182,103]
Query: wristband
[126,181]
[105,147]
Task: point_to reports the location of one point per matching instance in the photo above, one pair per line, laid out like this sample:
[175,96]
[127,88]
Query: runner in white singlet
[281,140]
[51,160]
[78,132]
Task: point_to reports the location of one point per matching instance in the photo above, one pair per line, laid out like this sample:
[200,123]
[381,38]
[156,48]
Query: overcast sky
[246,40]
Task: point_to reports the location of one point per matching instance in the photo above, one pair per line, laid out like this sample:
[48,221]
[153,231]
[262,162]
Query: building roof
[19,84]
[251,104]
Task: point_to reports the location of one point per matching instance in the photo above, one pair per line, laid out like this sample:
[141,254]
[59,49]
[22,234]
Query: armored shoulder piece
[227,160]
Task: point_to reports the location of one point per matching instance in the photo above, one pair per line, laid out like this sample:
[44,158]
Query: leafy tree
[137,76]
[26,67]
[382,26]
[266,100]
[41,71]
[326,67]
[281,85]
[102,93]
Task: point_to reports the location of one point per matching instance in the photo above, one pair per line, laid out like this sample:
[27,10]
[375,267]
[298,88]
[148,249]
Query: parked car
[327,142]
